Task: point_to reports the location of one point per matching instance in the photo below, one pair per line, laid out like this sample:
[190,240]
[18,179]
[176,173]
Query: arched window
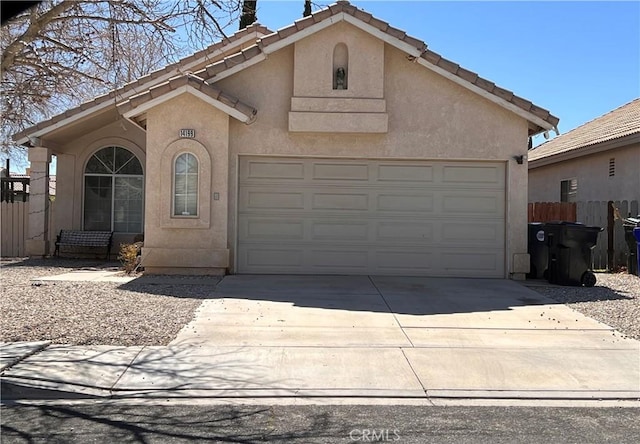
[185,185]
[113,191]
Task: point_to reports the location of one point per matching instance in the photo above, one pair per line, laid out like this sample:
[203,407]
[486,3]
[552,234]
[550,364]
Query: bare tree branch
[63,52]
[33,30]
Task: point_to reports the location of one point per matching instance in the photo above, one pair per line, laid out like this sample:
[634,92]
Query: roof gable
[194,85]
[540,119]
[620,126]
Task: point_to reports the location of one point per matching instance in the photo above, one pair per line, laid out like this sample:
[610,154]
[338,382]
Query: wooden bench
[78,238]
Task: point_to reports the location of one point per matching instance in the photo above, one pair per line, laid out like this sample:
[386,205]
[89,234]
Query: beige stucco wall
[592,173]
[313,71]
[429,118]
[178,244]
[316,106]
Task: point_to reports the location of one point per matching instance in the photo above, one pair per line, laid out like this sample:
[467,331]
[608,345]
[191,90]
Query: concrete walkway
[385,338]
[90,275]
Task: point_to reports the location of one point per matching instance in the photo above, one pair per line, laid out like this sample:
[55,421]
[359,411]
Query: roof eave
[127,91]
[585,150]
[136,111]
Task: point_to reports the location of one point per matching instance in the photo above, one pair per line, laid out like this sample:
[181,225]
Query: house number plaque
[187,133]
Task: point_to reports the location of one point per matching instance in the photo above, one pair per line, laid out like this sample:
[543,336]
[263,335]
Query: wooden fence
[611,251]
[14,221]
[552,211]
[14,227]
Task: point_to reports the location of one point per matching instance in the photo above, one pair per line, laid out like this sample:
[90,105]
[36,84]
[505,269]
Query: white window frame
[173,187]
[113,187]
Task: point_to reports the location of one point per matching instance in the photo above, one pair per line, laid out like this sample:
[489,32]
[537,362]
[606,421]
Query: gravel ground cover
[143,313]
[83,313]
[615,300]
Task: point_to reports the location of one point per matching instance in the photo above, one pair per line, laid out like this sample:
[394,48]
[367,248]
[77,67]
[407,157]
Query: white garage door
[337,216]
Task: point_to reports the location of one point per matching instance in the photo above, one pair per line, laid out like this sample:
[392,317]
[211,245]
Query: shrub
[130,256]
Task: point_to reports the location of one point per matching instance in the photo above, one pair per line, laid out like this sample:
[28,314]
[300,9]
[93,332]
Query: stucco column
[37,242]
[517,217]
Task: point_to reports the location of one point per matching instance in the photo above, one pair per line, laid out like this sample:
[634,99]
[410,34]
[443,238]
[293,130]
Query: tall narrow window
[569,190]
[113,182]
[340,66]
[185,182]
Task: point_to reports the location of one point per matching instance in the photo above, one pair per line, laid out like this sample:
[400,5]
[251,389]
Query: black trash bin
[636,234]
[632,258]
[570,247]
[538,251]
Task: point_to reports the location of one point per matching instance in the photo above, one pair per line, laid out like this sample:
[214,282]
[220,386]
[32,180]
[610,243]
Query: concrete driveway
[407,337]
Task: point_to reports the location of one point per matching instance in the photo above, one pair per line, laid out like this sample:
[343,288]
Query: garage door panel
[269,229]
[338,216]
[405,173]
[349,172]
[273,258]
[473,203]
[473,174]
[255,169]
[273,200]
[406,203]
[339,259]
[405,231]
[335,231]
[340,201]
[401,261]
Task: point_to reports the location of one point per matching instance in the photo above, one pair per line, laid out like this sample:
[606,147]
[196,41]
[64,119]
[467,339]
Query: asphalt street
[102,423]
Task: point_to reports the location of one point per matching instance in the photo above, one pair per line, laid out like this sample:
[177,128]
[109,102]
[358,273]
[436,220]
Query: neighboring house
[598,161]
[336,145]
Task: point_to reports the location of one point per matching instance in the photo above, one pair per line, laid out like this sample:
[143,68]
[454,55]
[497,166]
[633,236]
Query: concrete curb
[12,353]
[15,390]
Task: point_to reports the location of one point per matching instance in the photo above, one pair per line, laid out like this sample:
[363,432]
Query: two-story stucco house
[336,145]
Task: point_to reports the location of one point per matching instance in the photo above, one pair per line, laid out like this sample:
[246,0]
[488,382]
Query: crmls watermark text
[374,435]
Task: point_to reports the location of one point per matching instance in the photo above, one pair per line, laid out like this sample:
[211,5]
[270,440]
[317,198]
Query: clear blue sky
[578,59]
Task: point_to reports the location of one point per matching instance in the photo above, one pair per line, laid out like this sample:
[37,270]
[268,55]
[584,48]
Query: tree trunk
[248,13]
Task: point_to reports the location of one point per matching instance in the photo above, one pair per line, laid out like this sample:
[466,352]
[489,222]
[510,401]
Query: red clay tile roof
[146,81]
[621,122]
[194,82]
